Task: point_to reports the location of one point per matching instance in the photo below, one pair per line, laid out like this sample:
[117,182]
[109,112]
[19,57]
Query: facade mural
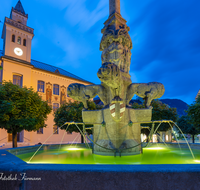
[63,95]
[49,92]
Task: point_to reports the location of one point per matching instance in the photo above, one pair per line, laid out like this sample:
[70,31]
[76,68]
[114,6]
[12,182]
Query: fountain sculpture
[117,127]
[116,131]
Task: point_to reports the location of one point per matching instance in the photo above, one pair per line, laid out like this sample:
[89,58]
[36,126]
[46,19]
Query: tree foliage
[186,126]
[21,109]
[194,113]
[72,111]
[190,124]
[160,111]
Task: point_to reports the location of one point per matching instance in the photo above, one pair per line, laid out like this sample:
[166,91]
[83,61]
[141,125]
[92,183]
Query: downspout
[1,69]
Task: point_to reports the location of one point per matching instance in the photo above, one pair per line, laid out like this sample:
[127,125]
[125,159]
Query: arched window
[55,106]
[19,40]
[40,131]
[13,38]
[17,79]
[24,42]
[41,86]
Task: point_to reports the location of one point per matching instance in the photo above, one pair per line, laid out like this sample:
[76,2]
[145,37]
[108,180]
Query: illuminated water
[156,154]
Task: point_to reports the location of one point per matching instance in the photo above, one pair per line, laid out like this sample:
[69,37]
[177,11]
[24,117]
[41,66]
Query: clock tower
[16,35]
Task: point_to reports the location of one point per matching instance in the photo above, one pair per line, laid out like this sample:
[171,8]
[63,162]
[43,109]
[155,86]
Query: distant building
[51,82]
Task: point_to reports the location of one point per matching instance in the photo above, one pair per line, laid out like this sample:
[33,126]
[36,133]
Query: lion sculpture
[83,93]
[110,75]
[147,91]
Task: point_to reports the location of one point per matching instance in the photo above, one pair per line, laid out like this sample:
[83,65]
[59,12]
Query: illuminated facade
[50,82]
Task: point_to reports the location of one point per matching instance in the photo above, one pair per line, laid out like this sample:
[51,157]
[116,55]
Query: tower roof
[19,7]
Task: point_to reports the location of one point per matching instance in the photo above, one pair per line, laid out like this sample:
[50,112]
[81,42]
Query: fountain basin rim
[82,145]
[12,163]
[9,160]
[117,154]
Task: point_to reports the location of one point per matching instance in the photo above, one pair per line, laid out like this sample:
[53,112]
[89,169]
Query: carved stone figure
[112,79]
[147,91]
[49,93]
[116,46]
[63,95]
[83,93]
[110,75]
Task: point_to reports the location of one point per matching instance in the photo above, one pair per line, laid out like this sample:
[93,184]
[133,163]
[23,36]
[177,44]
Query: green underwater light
[156,154]
[74,148]
[155,148]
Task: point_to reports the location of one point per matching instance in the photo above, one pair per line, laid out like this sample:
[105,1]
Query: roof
[53,69]
[19,7]
[50,68]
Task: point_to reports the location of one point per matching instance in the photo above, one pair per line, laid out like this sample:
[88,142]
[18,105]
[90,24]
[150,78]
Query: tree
[194,113]
[72,111]
[160,111]
[190,123]
[186,126]
[21,109]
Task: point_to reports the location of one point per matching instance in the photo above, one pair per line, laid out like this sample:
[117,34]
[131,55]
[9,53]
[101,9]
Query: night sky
[165,35]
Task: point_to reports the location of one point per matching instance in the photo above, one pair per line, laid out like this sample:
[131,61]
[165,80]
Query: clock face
[18,51]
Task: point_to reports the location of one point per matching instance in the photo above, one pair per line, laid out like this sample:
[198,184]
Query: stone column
[114,6]
[117,138]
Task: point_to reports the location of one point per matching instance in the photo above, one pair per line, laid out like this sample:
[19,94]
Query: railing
[27,139]
[1,145]
[19,25]
[4,138]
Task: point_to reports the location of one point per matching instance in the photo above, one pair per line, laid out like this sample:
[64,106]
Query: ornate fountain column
[116,131]
[114,6]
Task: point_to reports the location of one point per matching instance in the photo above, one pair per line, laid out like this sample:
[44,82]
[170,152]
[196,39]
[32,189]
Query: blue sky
[165,35]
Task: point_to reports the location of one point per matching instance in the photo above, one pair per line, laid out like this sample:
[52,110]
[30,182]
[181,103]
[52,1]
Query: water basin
[154,154]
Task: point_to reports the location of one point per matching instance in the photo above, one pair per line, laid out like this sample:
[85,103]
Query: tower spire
[19,7]
[114,6]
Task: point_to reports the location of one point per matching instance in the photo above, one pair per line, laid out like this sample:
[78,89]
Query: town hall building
[51,82]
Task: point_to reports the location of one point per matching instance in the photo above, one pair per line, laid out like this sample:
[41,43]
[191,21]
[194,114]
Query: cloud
[166,48]
[74,47]
[78,13]
[165,37]
[84,13]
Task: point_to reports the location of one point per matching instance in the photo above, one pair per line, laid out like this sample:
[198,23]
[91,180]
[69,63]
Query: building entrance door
[20,136]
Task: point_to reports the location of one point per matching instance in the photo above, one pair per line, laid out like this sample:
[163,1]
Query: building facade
[50,82]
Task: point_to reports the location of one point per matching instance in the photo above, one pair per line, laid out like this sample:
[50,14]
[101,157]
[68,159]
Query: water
[155,154]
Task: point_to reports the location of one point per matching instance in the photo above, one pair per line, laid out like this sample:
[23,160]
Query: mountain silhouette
[180,105]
